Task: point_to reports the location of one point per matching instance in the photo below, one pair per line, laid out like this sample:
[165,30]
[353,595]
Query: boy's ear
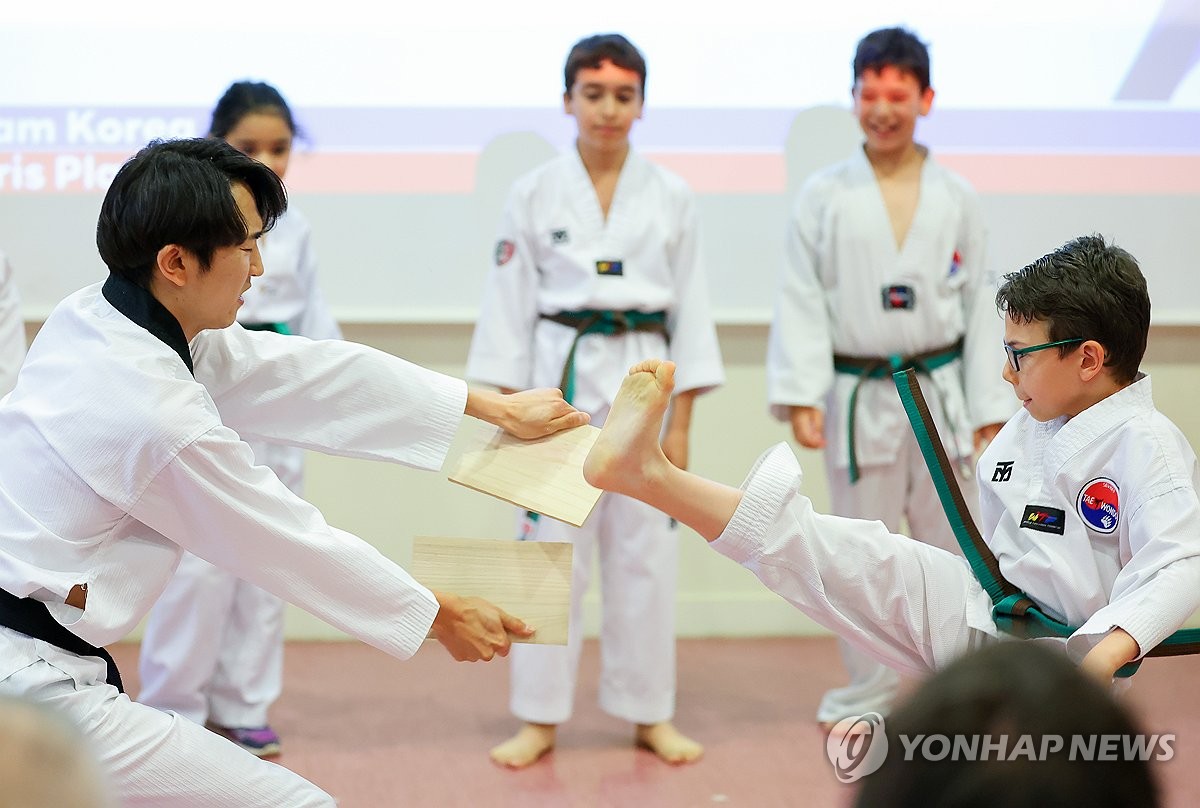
[567,102]
[1091,360]
[172,263]
[926,100]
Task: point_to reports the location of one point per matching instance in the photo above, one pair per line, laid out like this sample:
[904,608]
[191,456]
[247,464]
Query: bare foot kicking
[668,743]
[526,747]
[627,455]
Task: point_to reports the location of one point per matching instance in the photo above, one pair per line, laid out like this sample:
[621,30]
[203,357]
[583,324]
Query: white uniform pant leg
[183,638]
[154,759]
[878,494]
[910,606]
[542,677]
[639,565]
[249,672]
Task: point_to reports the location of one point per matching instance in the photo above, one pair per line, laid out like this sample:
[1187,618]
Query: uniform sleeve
[694,345]
[316,320]
[12,329]
[799,346]
[501,352]
[990,399]
[214,502]
[329,396]
[1159,589]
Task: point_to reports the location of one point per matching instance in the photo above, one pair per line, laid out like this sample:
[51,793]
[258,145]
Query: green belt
[599,321]
[879,367]
[278,328]
[1013,611]
[596,321]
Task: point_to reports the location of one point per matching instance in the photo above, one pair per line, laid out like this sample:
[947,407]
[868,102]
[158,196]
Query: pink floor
[375,732]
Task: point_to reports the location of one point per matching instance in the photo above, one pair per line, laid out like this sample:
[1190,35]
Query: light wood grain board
[543,475]
[528,579]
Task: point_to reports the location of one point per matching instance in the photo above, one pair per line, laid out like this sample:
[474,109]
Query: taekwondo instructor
[124,446]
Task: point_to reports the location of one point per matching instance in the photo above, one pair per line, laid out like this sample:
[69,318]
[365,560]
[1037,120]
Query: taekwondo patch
[1045,519]
[610,268]
[955,264]
[505,250]
[898,297]
[1099,505]
[1003,472]
[560,236]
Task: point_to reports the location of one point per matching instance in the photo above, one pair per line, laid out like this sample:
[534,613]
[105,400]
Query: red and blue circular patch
[1099,505]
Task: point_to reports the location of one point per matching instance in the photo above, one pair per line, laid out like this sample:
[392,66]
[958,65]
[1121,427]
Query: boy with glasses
[1120,561]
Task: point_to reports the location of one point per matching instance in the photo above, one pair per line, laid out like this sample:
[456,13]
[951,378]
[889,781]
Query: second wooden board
[528,579]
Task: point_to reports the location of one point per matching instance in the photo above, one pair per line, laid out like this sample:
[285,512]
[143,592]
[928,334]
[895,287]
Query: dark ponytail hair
[246,97]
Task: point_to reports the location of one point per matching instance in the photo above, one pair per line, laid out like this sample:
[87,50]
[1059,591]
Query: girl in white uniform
[1097,518]
[598,265]
[213,647]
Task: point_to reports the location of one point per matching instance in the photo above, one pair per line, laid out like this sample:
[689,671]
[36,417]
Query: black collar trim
[143,309]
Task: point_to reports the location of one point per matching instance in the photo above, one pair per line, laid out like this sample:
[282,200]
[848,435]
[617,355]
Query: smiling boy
[1120,561]
[885,265]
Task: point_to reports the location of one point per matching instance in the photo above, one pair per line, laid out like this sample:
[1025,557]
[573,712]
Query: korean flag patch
[955,264]
[505,250]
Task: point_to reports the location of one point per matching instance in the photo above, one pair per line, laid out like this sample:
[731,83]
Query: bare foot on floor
[526,747]
[668,743]
[627,454]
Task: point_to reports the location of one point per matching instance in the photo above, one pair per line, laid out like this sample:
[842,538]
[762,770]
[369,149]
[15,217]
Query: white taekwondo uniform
[117,461]
[1119,479]
[847,289]
[12,328]
[213,646]
[556,253]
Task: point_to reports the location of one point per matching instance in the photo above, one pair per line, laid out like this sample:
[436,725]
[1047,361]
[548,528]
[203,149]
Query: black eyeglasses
[1015,354]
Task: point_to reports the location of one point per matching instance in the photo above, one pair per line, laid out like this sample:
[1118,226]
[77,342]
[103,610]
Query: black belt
[31,618]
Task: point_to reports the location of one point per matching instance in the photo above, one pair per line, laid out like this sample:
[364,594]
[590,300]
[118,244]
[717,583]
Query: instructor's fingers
[515,625]
[570,420]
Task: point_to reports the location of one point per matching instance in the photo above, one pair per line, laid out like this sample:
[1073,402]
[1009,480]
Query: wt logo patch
[1003,471]
[559,237]
[1045,519]
[1099,505]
